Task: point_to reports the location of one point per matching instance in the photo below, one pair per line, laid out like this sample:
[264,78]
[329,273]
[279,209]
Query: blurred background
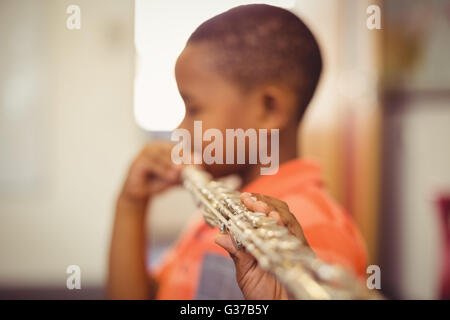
[76,105]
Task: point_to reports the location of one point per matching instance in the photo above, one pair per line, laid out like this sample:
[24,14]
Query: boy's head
[254,66]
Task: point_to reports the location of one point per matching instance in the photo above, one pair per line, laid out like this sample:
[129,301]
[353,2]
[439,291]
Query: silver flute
[291,261]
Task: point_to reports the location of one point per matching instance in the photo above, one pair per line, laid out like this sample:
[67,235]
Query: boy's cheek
[226,118]
[216,121]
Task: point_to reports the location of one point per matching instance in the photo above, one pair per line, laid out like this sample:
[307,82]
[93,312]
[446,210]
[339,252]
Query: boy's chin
[222,170]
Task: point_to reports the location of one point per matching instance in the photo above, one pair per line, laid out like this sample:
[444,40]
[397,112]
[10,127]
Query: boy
[254,66]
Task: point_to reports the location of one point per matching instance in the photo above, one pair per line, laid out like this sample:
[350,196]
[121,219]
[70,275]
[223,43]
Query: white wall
[64,216]
[425,175]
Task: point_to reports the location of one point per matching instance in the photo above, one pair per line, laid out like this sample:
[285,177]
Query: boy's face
[214,100]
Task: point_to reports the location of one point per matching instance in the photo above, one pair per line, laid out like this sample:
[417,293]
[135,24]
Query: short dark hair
[257,44]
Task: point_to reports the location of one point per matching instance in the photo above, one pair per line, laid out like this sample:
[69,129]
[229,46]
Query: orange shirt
[197,268]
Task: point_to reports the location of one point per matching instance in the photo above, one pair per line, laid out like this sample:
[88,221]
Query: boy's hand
[150,173]
[254,282]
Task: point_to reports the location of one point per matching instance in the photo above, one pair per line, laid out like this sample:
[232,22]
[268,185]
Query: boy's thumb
[224,240]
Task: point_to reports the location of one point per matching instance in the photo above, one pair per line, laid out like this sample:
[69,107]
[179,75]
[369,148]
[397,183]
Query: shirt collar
[291,176]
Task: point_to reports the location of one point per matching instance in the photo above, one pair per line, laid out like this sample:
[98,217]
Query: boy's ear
[276,107]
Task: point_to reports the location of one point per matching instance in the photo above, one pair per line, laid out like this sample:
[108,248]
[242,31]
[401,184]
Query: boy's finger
[147,167]
[163,172]
[166,161]
[161,166]
[255,205]
[253,199]
[278,210]
[158,186]
[242,259]
[276,216]
[275,203]
[224,240]
[159,152]
[279,206]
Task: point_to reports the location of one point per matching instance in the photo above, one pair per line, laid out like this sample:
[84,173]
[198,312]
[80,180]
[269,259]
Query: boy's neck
[287,152]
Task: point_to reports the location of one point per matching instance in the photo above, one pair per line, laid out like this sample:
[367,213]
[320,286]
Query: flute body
[277,251]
